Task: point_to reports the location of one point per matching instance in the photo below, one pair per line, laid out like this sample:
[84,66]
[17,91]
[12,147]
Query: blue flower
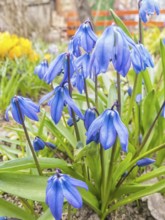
[25,106]
[70,121]
[89,117]
[39,144]
[60,98]
[62,186]
[114,45]
[109,125]
[144,162]
[84,37]
[61,64]
[78,81]
[141,59]
[3,218]
[148,7]
[82,63]
[41,69]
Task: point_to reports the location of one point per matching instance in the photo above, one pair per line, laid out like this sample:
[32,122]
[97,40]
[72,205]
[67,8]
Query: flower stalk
[28,140]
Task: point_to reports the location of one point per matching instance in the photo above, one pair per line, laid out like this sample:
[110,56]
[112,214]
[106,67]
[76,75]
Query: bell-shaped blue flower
[109,125]
[60,99]
[62,186]
[84,38]
[41,69]
[78,80]
[62,64]
[21,107]
[89,117]
[114,45]
[144,162]
[141,59]
[148,7]
[39,144]
[82,63]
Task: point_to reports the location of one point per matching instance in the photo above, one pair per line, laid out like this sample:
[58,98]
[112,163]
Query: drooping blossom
[21,107]
[62,186]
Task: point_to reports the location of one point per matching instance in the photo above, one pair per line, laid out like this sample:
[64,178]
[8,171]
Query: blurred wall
[25,17]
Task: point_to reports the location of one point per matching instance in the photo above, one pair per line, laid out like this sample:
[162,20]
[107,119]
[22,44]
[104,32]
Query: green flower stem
[28,139]
[86,93]
[69,212]
[123,178]
[96,92]
[149,131]
[132,100]
[118,93]
[140,27]
[109,179]
[70,92]
[102,173]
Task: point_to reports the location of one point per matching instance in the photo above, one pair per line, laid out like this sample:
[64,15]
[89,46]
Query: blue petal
[15,112]
[71,103]
[57,104]
[89,117]
[95,127]
[27,110]
[7,113]
[107,132]
[71,194]
[46,97]
[70,66]
[104,49]
[55,199]
[121,131]
[75,182]
[38,144]
[55,68]
[144,162]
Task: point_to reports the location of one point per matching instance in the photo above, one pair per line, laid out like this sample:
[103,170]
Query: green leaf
[46,216]
[25,163]
[162,53]
[152,174]
[23,185]
[10,210]
[120,23]
[90,200]
[150,189]
[122,167]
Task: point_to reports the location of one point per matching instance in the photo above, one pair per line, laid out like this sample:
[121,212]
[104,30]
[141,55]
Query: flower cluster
[13,46]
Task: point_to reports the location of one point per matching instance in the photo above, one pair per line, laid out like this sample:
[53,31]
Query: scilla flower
[60,99]
[62,186]
[89,117]
[141,59]
[84,38]
[148,7]
[109,125]
[113,45]
[144,162]
[41,69]
[61,64]
[25,107]
[39,144]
